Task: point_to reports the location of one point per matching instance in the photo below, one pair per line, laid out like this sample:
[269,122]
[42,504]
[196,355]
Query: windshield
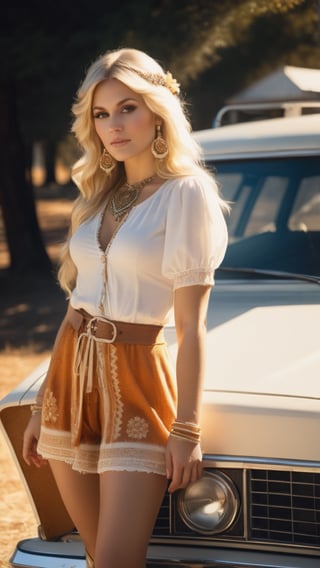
[275,216]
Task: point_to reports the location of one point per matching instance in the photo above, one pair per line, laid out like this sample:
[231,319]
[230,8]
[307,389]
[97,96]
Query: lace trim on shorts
[84,458]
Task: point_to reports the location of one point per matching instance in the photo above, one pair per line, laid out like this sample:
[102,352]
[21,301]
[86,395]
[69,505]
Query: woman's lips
[119,143]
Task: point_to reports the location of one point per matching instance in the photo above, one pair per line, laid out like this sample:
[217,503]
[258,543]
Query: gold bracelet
[185,438]
[35,409]
[190,435]
[186,431]
[189,426]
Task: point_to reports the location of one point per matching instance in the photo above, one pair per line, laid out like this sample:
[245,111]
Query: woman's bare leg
[129,504]
[80,494]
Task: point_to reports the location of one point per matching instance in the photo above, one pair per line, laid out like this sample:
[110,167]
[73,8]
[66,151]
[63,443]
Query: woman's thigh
[129,504]
[80,494]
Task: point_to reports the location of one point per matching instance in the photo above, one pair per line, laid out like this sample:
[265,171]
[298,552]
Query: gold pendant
[124,199]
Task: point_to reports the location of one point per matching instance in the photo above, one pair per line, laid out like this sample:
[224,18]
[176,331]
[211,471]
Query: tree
[216,48]
[190,35]
[41,65]
[272,40]
[23,236]
[203,42]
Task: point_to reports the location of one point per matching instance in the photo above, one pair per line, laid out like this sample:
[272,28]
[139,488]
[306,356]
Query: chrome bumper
[36,553]
[165,556]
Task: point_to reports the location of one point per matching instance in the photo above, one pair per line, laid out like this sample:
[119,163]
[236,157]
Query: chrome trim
[203,557]
[282,275]
[208,155]
[255,462]
[245,505]
[38,553]
[287,106]
[202,541]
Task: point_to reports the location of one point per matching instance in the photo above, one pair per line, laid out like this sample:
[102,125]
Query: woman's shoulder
[192,181]
[198,193]
[192,185]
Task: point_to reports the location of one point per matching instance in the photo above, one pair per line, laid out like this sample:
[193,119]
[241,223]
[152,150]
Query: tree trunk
[50,161]
[24,239]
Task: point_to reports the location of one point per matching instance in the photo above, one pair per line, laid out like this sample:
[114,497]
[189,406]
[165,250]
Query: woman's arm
[184,457]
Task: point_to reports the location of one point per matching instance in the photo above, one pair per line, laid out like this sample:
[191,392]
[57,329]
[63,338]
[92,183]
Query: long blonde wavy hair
[94,185]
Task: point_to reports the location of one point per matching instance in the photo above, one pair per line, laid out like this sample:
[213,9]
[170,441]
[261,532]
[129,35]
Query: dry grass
[30,314]
[16,516]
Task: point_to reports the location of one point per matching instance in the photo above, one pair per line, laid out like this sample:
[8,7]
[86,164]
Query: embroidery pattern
[50,409]
[117,393]
[107,457]
[137,428]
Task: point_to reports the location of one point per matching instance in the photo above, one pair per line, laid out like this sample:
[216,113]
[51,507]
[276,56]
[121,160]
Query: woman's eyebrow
[96,107]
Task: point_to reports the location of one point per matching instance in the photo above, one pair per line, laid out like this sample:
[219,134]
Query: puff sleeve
[196,233]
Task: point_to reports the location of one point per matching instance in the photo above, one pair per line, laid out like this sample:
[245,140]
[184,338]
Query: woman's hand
[30,442]
[183,463]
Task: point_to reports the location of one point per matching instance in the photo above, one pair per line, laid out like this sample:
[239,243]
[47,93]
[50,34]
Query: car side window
[305,214]
[275,213]
[267,205]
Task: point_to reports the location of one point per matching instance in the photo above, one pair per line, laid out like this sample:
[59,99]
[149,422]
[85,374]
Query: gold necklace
[125,197]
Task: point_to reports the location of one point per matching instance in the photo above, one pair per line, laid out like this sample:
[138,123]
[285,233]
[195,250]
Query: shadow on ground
[32,307]
[31,311]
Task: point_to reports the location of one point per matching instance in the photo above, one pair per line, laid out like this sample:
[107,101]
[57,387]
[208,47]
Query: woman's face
[122,120]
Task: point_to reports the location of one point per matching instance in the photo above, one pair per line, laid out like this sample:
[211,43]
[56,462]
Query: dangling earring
[107,162]
[159,146]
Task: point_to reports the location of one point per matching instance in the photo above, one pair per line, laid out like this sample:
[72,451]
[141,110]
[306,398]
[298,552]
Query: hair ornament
[166,80]
[172,83]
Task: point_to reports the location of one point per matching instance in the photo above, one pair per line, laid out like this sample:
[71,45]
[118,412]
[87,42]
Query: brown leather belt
[111,331]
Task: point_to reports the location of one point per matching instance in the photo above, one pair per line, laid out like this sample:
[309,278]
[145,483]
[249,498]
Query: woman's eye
[100,114]
[128,108]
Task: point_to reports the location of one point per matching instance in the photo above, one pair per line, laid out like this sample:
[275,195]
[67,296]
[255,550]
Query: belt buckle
[92,328]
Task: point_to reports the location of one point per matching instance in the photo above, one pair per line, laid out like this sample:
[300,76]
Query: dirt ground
[30,313]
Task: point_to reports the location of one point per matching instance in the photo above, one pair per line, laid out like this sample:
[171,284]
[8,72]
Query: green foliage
[47,52]
[273,40]
[191,35]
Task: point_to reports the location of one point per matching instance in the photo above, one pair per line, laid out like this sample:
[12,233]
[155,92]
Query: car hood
[262,387]
[263,338]
[261,395]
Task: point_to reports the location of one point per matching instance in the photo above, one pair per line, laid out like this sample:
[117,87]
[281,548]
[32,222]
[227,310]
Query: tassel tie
[83,368]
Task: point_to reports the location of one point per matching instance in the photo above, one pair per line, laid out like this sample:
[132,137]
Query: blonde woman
[114,418]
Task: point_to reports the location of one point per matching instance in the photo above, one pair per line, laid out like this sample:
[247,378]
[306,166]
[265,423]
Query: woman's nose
[114,124]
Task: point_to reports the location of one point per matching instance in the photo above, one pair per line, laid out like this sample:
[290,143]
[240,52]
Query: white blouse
[176,237]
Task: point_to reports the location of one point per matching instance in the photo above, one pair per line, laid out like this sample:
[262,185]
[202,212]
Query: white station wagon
[258,503]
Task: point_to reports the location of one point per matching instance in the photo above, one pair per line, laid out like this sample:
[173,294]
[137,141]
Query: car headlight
[209,505]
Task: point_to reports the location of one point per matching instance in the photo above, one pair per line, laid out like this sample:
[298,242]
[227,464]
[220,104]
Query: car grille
[162,527]
[283,508]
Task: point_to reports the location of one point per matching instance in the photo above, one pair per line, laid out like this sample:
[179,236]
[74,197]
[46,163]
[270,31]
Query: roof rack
[247,112]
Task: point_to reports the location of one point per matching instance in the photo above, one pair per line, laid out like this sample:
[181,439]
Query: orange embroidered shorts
[119,417]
